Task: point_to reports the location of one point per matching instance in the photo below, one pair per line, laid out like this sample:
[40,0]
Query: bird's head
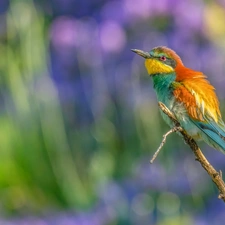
[160,60]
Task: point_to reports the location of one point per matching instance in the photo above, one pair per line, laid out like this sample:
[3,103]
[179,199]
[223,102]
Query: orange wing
[197,94]
[183,95]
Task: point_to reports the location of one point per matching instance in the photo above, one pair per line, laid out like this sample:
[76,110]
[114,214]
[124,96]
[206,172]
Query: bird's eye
[162,58]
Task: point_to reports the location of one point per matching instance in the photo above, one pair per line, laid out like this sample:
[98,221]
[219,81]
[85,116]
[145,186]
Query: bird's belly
[183,118]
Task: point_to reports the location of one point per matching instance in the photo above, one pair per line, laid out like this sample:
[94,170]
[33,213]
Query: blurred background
[79,119]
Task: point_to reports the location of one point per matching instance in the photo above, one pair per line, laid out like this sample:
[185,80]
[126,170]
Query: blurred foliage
[79,118]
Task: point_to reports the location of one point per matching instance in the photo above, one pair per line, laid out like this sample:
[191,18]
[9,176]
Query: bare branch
[164,141]
[215,176]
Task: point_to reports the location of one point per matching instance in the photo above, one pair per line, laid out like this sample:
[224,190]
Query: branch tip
[174,129]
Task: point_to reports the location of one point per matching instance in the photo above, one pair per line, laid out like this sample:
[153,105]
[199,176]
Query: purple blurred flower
[112,36]
[189,14]
[138,9]
[64,33]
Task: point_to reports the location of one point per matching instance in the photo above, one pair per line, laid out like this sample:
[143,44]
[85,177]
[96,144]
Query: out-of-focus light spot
[100,160]
[104,132]
[114,197]
[183,17]
[112,36]
[142,204]
[179,219]
[168,203]
[214,17]
[139,8]
[64,33]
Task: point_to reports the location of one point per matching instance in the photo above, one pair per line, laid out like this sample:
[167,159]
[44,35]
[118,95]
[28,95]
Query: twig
[164,141]
[215,176]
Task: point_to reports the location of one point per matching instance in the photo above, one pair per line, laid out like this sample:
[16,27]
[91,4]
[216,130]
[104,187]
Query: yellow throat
[154,66]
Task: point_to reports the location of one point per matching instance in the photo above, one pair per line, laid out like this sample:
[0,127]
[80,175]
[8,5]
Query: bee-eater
[187,94]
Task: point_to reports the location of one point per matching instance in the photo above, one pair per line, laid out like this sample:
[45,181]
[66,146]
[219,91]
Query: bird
[187,94]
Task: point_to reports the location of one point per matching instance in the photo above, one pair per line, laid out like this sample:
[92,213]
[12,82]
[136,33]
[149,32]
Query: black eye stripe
[171,62]
[168,61]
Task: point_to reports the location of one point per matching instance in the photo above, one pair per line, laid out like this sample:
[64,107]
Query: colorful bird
[187,94]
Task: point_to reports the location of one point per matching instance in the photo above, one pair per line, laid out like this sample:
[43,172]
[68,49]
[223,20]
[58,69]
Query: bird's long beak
[146,55]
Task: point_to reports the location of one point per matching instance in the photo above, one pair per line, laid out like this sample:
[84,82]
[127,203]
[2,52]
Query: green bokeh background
[51,160]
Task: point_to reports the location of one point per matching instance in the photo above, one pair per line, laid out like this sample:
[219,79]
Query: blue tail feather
[214,133]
